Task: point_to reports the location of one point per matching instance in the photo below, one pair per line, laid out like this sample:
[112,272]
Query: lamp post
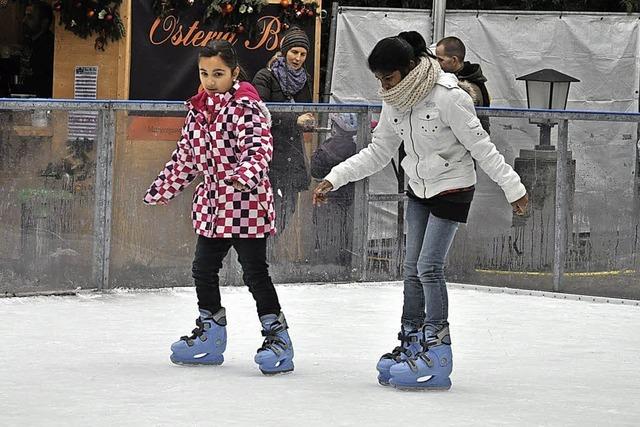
[547,90]
[538,169]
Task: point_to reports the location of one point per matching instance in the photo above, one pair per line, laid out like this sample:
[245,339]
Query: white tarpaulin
[601,50]
[358,30]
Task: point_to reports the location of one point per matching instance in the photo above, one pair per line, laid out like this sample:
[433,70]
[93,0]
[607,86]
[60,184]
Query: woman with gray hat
[285,80]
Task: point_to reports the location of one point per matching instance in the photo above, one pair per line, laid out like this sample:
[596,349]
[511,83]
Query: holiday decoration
[231,9]
[294,11]
[227,8]
[239,16]
[85,18]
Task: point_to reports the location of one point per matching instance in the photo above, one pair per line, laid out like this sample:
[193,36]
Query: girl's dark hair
[226,52]
[391,54]
[395,53]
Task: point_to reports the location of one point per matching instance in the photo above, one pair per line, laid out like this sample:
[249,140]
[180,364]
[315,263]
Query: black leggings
[252,257]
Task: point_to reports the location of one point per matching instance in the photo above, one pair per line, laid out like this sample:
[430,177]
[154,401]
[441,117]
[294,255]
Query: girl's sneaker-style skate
[276,354]
[207,342]
[409,346]
[430,368]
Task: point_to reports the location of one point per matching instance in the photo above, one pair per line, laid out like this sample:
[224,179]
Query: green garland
[85,18]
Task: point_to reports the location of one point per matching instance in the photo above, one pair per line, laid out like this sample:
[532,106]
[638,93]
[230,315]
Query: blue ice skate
[207,342]
[409,346]
[276,354]
[430,368]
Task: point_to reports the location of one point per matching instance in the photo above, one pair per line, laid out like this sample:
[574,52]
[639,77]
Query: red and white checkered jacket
[225,137]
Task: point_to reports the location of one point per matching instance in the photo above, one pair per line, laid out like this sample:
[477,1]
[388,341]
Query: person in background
[286,80]
[451,52]
[334,223]
[37,23]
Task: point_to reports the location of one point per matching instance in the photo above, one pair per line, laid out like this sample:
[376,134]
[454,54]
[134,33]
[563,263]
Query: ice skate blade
[196,362]
[383,383]
[421,389]
[438,384]
[274,373]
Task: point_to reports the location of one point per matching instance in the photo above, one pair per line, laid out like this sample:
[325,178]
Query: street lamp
[548,90]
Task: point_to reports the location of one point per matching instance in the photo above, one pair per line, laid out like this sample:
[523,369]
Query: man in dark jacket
[450,52]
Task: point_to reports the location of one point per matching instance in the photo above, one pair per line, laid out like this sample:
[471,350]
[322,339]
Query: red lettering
[269,30]
[168,25]
[192,28]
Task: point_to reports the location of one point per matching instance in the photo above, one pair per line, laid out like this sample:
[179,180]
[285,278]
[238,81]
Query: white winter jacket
[442,135]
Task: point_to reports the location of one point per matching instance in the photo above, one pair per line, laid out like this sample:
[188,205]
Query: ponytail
[416,41]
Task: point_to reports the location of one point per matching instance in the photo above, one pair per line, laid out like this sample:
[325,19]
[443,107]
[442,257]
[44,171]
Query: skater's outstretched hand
[320,192]
[520,205]
[162,202]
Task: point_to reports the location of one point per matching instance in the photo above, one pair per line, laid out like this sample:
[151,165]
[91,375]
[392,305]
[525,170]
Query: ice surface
[103,359]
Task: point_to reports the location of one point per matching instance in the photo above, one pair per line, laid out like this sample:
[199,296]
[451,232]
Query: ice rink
[103,359]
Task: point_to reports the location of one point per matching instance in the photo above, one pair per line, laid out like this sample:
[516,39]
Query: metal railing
[561,208]
[106,138]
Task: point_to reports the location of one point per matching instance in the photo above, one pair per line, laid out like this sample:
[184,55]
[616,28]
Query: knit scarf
[415,85]
[291,81]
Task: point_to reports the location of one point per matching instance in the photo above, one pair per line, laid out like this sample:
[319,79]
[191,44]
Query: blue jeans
[425,290]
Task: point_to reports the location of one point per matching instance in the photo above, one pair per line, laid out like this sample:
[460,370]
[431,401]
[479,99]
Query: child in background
[226,138]
[334,223]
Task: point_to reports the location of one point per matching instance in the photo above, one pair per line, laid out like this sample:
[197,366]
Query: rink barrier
[106,135]
[544,294]
[458,286]
[39,294]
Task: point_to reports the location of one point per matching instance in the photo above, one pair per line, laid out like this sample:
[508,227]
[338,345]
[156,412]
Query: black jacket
[330,153]
[41,63]
[472,73]
[288,163]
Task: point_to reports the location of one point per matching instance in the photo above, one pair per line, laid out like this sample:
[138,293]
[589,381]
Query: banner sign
[164,51]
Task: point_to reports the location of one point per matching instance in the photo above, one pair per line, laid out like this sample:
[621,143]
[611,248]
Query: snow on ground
[103,359]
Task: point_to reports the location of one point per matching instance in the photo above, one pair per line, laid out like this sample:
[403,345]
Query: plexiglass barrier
[73,175]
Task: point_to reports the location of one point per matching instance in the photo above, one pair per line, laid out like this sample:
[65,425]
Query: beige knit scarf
[415,85]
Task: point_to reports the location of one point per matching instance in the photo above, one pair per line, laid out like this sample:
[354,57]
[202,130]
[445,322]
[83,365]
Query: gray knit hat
[295,37]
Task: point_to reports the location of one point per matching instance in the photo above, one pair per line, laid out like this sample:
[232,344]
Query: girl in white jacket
[425,109]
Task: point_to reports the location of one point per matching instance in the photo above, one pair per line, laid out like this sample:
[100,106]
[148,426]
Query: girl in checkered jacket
[226,139]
